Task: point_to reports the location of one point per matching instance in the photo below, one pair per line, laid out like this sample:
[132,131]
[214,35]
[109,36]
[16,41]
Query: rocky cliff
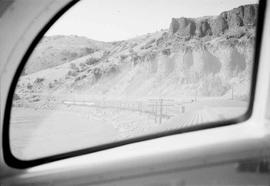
[243,16]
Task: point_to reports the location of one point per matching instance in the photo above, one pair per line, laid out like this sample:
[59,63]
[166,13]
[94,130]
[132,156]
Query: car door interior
[224,155]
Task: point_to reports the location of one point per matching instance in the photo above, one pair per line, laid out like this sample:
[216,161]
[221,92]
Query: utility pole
[160,110]
[196,95]
[154,110]
[232,92]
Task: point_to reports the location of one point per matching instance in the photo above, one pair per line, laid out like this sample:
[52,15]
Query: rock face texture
[203,28]
[183,26]
[243,16]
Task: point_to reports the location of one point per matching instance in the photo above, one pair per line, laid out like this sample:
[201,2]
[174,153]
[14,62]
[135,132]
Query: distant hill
[57,50]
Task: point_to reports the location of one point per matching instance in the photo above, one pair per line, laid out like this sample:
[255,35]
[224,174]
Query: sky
[114,20]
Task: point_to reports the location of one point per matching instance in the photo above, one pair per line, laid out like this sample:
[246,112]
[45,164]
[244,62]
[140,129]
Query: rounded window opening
[105,74]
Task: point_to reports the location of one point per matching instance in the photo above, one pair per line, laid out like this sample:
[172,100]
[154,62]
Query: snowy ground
[40,132]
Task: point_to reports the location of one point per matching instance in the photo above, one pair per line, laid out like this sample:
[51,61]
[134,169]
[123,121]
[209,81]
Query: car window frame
[15,162]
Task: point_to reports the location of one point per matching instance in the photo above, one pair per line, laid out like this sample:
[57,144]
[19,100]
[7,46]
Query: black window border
[14,162]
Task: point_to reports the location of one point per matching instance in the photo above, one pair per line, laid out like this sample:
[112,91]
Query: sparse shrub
[133,45]
[51,85]
[106,53]
[74,70]
[135,58]
[150,42]
[115,43]
[64,59]
[152,56]
[166,51]
[23,72]
[149,46]
[36,99]
[165,34]
[89,50]
[77,79]
[123,57]
[97,73]
[72,73]
[39,80]
[16,97]
[29,86]
[73,55]
[131,51]
[73,66]
[80,78]
[159,40]
[91,61]
[112,69]
[82,65]
[69,55]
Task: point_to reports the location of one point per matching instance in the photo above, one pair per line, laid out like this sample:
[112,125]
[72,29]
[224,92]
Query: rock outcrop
[183,26]
[243,16]
[203,28]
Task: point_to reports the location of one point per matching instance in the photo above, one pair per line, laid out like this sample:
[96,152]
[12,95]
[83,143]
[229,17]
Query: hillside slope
[206,57]
[56,50]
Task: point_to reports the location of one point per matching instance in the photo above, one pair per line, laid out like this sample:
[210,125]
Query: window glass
[109,71]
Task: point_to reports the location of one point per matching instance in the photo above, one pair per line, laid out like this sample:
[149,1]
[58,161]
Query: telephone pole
[160,111]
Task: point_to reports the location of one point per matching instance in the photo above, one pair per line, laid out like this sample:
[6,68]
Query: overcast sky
[112,20]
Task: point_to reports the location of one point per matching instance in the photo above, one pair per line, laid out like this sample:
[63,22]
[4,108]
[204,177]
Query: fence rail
[159,108]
